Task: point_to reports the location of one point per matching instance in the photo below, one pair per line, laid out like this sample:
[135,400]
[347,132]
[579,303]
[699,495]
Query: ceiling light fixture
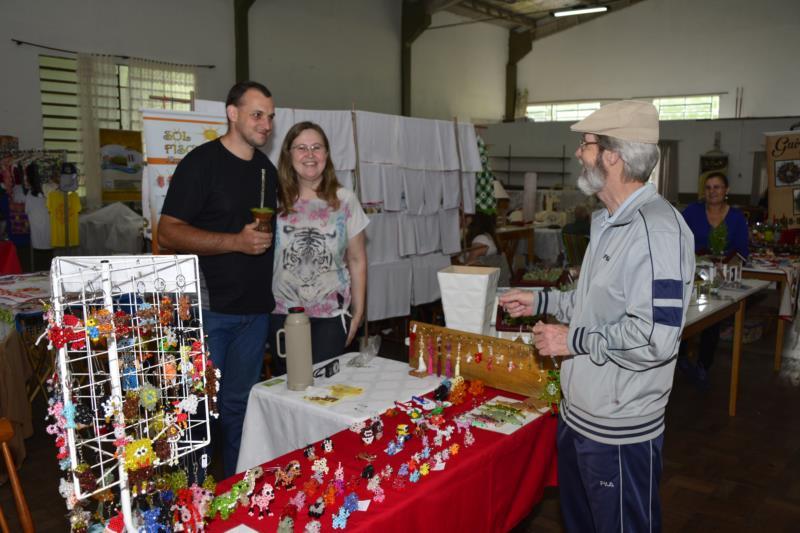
[580,11]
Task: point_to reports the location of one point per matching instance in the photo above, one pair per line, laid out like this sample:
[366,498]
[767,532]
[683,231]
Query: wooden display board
[515,366]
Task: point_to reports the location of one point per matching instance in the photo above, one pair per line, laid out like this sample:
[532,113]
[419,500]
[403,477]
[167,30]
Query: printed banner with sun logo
[168,136]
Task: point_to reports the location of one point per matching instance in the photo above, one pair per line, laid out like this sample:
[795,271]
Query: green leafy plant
[718,239]
[543,274]
[552,391]
[522,320]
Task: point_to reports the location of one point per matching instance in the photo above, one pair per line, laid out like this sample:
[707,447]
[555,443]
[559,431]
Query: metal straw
[262,186]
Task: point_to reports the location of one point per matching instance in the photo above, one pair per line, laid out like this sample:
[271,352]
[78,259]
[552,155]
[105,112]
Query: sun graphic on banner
[210,134]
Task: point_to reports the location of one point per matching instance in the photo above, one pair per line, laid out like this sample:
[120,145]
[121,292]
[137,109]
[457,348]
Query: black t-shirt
[213,190]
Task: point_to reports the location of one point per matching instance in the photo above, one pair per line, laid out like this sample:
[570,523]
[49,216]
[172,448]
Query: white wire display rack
[141,343]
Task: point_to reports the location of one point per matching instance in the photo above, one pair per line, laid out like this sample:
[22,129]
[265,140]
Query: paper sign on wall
[783,169]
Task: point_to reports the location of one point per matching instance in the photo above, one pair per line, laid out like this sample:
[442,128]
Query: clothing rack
[60,157]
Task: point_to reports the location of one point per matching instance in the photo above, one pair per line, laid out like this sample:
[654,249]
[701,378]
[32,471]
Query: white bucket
[468,297]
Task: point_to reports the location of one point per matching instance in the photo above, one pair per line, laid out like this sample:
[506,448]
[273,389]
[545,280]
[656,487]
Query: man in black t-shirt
[207,212]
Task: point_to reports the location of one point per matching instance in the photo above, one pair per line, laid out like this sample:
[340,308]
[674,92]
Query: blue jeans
[236,343]
[604,487]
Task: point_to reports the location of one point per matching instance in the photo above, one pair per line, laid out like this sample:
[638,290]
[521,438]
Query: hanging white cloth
[338,127]
[39,218]
[426,233]
[407,242]
[393,188]
[414,189]
[468,188]
[425,281]
[426,144]
[451,192]
[450,156]
[432,201]
[389,289]
[468,143]
[449,231]
[377,137]
[371,184]
[284,120]
[345,178]
[382,237]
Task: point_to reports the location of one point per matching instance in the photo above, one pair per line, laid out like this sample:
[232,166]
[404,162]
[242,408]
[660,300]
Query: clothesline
[19,42]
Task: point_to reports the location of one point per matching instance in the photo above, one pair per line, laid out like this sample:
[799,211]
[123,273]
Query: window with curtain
[83,94]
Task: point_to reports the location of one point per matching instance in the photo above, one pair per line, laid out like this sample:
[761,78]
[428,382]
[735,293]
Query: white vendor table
[548,243]
[279,420]
[709,311]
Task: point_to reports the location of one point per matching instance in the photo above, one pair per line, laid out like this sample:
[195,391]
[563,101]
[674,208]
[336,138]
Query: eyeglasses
[583,144]
[304,148]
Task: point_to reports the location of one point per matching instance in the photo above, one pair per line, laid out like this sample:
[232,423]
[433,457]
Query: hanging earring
[458,358]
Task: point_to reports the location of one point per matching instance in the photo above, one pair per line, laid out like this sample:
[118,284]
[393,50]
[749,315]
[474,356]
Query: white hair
[639,159]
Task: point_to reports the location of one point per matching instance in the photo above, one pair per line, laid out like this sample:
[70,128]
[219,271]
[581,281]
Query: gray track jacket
[625,320]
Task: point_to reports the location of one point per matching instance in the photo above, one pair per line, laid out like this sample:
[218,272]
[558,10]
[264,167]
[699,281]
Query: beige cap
[630,120]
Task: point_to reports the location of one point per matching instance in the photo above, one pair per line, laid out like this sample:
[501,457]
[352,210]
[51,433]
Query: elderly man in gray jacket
[620,329]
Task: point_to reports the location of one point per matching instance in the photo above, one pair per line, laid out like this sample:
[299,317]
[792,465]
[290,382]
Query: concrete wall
[459,71]
[178,31]
[318,54]
[675,47]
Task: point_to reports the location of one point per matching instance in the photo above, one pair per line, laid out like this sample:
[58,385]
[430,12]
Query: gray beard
[591,180]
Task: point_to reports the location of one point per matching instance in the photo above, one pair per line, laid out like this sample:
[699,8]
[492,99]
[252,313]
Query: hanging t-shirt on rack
[36,209]
[55,204]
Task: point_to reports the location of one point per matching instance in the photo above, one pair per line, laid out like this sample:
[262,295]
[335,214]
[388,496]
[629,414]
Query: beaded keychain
[430,356]
[447,361]
[458,358]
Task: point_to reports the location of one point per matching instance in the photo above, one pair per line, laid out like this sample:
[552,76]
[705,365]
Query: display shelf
[132,371]
[511,167]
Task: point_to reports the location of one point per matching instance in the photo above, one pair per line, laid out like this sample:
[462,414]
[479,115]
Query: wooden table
[702,314]
[508,238]
[779,277]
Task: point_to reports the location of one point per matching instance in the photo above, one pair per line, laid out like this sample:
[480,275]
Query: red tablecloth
[489,486]
[9,261]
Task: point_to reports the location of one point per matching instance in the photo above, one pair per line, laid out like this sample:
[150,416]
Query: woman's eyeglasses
[304,148]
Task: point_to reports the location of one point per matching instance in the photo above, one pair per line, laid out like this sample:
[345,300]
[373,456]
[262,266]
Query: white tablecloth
[279,420]
[547,244]
[21,294]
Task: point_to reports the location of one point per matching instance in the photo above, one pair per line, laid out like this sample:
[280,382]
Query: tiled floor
[720,473]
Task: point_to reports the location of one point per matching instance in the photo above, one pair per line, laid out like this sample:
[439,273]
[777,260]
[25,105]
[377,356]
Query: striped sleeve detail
[542,300]
[576,341]
[668,302]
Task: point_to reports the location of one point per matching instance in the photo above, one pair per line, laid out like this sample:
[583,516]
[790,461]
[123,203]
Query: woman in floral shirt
[320,251]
